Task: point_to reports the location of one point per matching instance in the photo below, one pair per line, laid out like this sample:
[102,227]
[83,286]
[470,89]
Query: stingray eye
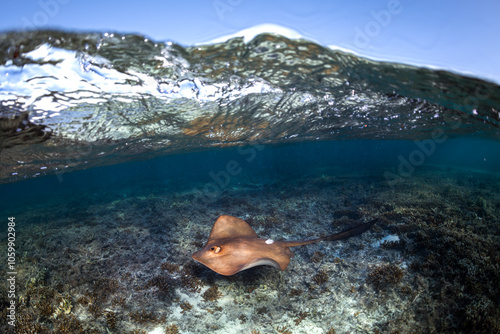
[215,249]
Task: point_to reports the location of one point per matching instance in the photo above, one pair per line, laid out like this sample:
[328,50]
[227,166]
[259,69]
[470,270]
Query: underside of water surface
[118,154]
[72,101]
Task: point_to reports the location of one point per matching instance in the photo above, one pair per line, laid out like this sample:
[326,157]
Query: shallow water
[131,149]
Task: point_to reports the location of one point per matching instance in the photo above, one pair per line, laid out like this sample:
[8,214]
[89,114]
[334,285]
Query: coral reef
[171,329]
[170,267]
[185,306]
[68,324]
[191,283]
[437,273]
[26,323]
[301,316]
[162,283]
[283,330]
[317,257]
[144,317]
[331,331]
[111,320]
[385,275]
[320,277]
[212,294]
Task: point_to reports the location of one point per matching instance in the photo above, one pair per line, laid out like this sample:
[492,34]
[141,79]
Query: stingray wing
[231,227]
[276,255]
[264,261]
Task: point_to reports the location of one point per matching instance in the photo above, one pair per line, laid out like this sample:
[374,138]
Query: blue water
[256,165]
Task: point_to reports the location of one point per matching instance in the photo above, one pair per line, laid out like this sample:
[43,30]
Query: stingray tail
[337,236]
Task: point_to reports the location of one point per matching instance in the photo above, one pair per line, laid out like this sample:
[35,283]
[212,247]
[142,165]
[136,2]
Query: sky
[462,36]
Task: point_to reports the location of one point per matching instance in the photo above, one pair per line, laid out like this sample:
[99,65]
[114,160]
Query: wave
[77,100]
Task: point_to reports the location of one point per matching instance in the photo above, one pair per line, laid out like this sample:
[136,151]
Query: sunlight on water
[121,96]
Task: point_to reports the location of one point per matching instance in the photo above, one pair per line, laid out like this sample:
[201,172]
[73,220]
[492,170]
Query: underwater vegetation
[385,275]
[212,294]
[122,265]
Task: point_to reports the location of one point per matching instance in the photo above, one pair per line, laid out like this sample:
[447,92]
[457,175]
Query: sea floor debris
[124,266]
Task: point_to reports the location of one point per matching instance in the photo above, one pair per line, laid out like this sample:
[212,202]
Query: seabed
[97,264]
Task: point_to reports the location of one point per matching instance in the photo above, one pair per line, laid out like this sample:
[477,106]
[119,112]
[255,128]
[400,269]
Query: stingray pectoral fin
[264,261]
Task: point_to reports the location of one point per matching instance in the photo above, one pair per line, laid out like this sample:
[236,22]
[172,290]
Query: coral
[262,310]
[191,283]
[64,307]
[101,290]
[331,331]
[197,243]
[215,309]
[317,257]
[405,289]
[269,221]
[111,320]
[170,267]
[211,294]
[39,278]
[118,301]
[192,269]
[106,285]
[399,244]
[45,308]
[163,283]
[255,331]
[95,308]
[385,275]
[185,306]
[250,289]
[295,292]
[301,316]
[83,300]
[189,279]
[320,277]
[68,324]
[143,317]
[171,329]
[25,323]
[283,330]
[40,291]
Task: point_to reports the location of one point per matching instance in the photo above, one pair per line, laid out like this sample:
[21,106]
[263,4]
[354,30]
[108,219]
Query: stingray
[234,246]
